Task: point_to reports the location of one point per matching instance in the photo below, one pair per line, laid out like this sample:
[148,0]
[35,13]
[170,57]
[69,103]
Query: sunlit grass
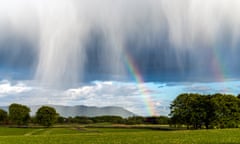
[75,135]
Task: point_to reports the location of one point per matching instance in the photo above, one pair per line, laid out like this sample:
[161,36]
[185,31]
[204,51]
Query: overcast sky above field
[137,54]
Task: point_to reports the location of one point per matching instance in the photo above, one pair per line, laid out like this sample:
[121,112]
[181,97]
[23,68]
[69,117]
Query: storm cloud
[64,42]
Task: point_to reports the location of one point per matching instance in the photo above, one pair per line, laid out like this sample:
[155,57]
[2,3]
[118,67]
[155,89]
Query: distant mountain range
[72,111]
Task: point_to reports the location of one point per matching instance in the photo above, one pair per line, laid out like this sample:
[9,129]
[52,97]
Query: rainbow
[134,71]
[219,70]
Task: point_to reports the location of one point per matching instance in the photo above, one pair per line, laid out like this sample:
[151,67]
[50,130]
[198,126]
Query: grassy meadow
[83,135]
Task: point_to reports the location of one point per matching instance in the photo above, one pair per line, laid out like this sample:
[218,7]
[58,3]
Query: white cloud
[108,93]
[103,89]
[132,96]
[98,93]
[6,88]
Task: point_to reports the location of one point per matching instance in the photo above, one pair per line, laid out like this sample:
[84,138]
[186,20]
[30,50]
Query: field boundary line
[32,132]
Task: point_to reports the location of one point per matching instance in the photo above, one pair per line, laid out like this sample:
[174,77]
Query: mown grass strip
[32,132]
[123,136]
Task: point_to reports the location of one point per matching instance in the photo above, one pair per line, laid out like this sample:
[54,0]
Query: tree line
[19,115]
[164,120]
[194,111]
[205,111]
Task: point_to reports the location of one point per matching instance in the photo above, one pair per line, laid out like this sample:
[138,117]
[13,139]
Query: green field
[78,135]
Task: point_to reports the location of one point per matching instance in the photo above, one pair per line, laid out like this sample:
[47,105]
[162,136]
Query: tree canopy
[195,110]
[19,114]
[46,116]
[3,116]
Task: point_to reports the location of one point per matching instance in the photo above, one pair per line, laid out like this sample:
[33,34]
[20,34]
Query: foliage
[19,114]
[46,116]
[194,110]
[3,117]
[110,119]
[135,120]
[114,120]
[157,120]
[226,110]
[61,120]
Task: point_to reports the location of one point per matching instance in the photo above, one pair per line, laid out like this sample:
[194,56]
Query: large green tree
[184,110]
[226,110]
[218,110]
[208,110]
[3,116]
[46,116]
[19,114]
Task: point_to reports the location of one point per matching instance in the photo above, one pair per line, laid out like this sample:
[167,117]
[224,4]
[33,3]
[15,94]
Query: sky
[137,54]
[155,101]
